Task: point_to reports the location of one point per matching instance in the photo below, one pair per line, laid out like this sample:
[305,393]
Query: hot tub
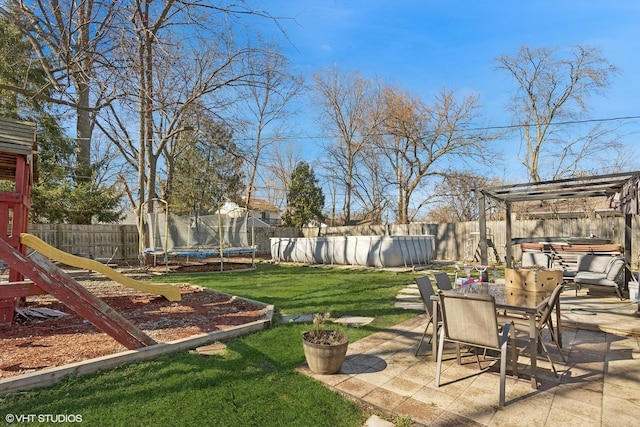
[370,251]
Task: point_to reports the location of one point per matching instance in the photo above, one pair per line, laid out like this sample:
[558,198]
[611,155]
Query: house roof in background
[262,206]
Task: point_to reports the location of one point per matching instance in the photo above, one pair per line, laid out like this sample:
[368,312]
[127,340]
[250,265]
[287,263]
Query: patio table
[512,300]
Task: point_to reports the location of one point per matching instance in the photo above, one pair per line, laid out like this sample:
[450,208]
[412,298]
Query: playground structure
[198,236]
[370,251]
[17,147]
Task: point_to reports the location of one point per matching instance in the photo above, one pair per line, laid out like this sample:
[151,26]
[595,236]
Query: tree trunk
[83,132]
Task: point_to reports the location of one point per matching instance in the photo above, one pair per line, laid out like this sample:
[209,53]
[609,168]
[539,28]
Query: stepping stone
[376,421]
[410,306]
[211,349]
[297,318]
[405,297]
[355,321]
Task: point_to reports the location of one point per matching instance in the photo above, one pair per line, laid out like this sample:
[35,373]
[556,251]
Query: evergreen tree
[206,172]
[55,198]
[305,199]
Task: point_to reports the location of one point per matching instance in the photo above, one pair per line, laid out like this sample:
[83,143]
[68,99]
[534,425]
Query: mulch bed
[31,344]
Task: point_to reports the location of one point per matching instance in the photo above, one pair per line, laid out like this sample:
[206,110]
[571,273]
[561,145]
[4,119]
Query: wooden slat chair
[471,319]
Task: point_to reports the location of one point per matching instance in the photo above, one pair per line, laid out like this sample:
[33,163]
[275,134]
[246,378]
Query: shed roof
[17,137]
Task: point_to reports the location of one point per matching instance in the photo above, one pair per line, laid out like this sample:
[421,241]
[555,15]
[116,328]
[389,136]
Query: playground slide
[170,292]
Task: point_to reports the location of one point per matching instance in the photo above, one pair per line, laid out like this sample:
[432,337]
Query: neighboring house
[264,212]
[261,213]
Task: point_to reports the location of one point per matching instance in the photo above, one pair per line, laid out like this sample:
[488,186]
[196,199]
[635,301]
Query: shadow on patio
[598,386]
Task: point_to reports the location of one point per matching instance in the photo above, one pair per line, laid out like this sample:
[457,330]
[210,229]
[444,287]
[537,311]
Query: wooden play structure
[36,274]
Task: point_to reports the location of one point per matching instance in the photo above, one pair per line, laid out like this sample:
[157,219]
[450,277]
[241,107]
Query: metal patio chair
[544,319]
[471,320]
[426,291]
[443,282]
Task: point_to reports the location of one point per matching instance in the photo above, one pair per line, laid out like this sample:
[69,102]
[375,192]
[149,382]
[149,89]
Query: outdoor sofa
[600,270]
[591,270]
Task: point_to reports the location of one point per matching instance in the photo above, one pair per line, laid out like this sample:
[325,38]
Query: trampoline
[199,236]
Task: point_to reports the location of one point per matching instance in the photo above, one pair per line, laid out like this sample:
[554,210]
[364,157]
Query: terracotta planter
[323,358]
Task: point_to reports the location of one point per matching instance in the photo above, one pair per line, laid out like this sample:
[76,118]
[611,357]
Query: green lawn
[255,382]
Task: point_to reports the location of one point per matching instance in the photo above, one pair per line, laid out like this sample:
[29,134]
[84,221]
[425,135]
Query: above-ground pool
[370,251]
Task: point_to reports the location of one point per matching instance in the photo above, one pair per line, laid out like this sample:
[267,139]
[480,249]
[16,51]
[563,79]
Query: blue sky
[423,46]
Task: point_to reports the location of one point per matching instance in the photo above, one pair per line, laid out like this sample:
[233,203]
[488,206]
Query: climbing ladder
[17,145]
[491,245]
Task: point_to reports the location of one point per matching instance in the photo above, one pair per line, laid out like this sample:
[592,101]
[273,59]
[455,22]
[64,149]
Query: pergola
[622,189]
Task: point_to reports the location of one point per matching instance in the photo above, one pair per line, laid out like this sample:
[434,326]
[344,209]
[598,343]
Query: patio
[598,386]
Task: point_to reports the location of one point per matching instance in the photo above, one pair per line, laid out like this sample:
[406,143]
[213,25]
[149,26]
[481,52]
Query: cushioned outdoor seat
[600,270]
[530,259]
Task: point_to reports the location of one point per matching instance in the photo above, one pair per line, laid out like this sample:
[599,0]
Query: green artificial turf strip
[255,381]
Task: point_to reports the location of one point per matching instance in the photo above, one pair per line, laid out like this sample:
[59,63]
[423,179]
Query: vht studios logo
[43,418]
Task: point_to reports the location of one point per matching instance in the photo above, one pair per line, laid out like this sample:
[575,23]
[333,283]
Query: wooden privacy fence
[100,242]
[120,242]
[454,241]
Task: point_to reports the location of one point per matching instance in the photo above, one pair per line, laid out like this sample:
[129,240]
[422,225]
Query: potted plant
[324,349]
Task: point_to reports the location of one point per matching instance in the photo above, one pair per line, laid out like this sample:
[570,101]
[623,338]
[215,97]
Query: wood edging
[50,376]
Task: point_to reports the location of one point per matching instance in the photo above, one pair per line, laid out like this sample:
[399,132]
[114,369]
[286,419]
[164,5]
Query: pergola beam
[571,188]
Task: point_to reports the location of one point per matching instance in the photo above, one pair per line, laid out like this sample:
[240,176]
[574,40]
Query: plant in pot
[324,349]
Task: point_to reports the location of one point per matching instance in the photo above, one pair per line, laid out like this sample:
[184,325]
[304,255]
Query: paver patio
[598,386]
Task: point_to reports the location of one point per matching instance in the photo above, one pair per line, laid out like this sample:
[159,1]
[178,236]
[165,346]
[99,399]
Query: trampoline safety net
[202,235]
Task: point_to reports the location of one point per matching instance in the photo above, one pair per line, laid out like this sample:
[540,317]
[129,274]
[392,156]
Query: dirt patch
[199,267]
[31,344]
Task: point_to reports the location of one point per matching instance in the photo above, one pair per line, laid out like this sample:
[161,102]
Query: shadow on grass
[251,384]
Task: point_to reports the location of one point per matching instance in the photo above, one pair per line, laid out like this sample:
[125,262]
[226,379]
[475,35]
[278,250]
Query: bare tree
[280,167]
[371,186]
[456,199]
[421,141]
[348,109]
[171,101]
[271,88]
[72,41]
[179,65]
[552,93]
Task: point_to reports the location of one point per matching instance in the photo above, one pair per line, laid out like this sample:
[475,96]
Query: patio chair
[600,271]
[544,319]
[530,259]
[426,291]
[443,282]
[470,319]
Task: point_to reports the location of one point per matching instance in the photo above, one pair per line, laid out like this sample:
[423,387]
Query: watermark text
[43,418]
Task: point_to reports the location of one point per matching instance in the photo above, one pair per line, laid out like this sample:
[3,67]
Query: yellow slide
[170,292]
